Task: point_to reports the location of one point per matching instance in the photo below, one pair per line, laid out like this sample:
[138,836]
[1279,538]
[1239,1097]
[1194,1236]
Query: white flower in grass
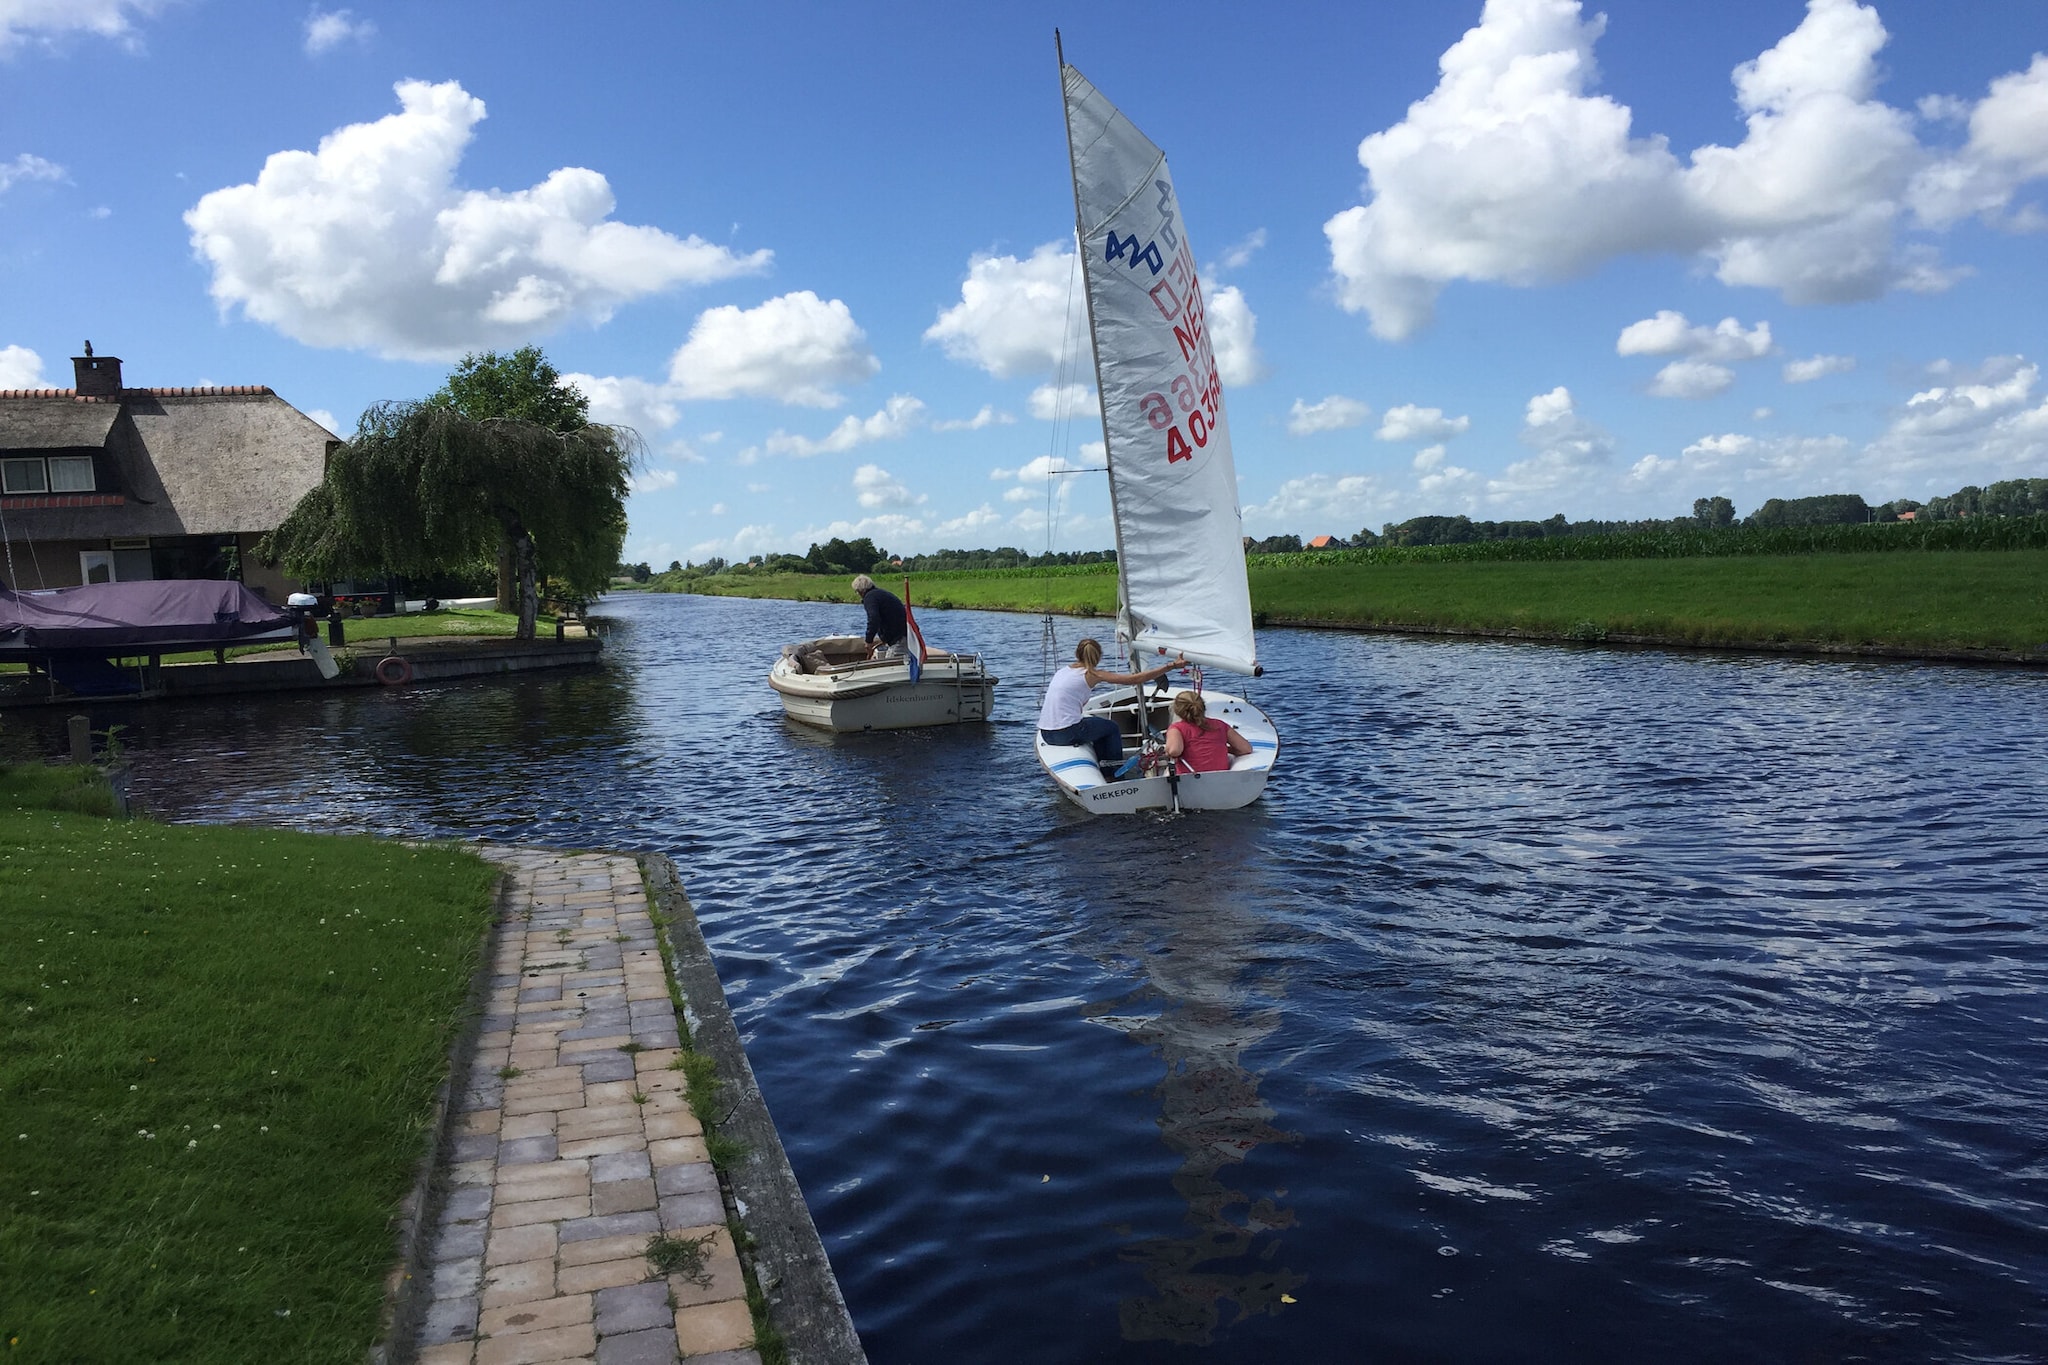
[190,1145]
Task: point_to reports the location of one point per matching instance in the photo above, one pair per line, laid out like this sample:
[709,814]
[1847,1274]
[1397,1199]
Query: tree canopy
[502,460]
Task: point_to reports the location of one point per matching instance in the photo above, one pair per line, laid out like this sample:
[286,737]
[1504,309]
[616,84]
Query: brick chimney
[96,376]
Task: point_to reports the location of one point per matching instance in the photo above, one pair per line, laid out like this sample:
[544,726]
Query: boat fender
[393,670]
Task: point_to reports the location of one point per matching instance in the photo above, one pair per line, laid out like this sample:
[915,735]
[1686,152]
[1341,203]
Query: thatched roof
[188,461]
[55,424]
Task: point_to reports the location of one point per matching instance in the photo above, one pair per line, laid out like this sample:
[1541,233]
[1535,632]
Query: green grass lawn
[1983,599]
[218,1053]
[1987,599]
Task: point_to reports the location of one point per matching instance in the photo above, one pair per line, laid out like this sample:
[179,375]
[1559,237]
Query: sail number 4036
[1196,412]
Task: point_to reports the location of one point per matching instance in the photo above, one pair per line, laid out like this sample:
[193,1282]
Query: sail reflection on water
[1199,1011]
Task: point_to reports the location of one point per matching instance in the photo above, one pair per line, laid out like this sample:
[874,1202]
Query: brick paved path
[559,1174]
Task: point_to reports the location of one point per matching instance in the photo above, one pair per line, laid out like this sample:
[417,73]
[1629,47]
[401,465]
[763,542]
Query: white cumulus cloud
[624,401]
[1512,170]
[27,166]
[987,417]
[369,242]
[22,21]
[1061,402]
[875,486]
[1326,504]
[653,480]
[329,29]
[21,368]
[1692,379]
[898,417]
[1668,333]
[1335,413]
[793,349]
[1817,367]
[1017,317]
[1411,423]
[1569,448]
[1233,337]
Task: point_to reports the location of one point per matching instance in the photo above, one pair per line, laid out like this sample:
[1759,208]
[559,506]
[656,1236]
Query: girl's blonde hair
[1188,706]
[1089,652]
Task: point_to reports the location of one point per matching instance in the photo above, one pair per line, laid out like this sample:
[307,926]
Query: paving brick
[696,1178]
[454,1279]
[541,1171]
[740,1357]
[656,1346]
[544,1315]
[595,1249]
[519,1282]
[458,1353]
[530,1243]
[538,1348]
[466,1204]
[633,1308]
[619,1166]
[645,1225]
[708,1327]
[540,1123]
[690,1211]
[540,1211]
[606,1146]
[449,1320]
[557,1184]
[601,1275]
[622,1196]
[677,1151]
[523,1150]
[721,1280]
[671,1124]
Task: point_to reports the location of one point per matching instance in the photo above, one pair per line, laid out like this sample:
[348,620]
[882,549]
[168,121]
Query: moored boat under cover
[154,617]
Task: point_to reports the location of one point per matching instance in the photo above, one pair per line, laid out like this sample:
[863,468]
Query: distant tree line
[2011,498]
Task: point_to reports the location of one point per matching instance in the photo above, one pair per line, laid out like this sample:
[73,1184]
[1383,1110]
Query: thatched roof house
[106,483]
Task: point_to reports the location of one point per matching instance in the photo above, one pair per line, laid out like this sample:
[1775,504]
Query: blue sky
[1507,258]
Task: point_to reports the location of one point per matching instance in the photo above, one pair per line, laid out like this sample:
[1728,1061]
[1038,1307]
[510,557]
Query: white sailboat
[1173,488]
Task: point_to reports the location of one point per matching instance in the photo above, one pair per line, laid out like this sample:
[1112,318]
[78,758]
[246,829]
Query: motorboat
[831,683]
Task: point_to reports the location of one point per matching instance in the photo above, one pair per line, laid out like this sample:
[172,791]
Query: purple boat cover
[133,618]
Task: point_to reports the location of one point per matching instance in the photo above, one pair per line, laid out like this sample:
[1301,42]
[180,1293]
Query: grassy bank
[218,1053]
[1990,599]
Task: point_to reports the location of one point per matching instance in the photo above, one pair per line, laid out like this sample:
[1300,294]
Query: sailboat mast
[1123,595]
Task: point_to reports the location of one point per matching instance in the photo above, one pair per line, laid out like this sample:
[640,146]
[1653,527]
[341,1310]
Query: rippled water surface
[1554,1005]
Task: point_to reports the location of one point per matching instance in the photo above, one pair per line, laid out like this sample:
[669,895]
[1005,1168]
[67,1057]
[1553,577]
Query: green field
[218,1055]
[1931,600]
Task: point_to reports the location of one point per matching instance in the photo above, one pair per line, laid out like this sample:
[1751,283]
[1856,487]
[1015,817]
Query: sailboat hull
[1074,771]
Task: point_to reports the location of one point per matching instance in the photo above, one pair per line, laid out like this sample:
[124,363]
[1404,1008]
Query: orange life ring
[393,670]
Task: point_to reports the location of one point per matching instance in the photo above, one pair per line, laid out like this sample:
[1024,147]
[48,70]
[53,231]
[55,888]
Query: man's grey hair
[861,582]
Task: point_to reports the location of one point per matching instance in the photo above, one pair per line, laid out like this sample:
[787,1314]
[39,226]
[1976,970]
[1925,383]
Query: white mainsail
[1172,484]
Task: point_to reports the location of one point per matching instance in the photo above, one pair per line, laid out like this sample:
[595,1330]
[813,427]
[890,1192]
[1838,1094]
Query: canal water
[1555,1004]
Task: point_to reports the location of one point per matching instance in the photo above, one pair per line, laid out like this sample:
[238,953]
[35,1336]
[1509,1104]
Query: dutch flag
[913,638]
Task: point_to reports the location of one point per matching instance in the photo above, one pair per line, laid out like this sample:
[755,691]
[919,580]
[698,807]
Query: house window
[23,476]
[96,566]
[71,474]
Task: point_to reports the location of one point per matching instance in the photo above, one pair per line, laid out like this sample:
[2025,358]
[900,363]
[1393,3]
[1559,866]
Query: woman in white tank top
[1060,720]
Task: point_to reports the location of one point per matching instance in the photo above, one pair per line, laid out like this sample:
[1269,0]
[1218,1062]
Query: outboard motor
[301,606]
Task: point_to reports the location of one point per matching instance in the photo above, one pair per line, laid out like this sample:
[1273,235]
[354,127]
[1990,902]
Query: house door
[96,566]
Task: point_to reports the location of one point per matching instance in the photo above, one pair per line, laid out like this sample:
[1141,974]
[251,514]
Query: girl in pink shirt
[1198,744]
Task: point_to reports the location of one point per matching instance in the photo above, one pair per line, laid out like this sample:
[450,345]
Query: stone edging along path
[568,1145]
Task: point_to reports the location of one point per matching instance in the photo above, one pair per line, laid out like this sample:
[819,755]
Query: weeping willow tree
[426,488]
